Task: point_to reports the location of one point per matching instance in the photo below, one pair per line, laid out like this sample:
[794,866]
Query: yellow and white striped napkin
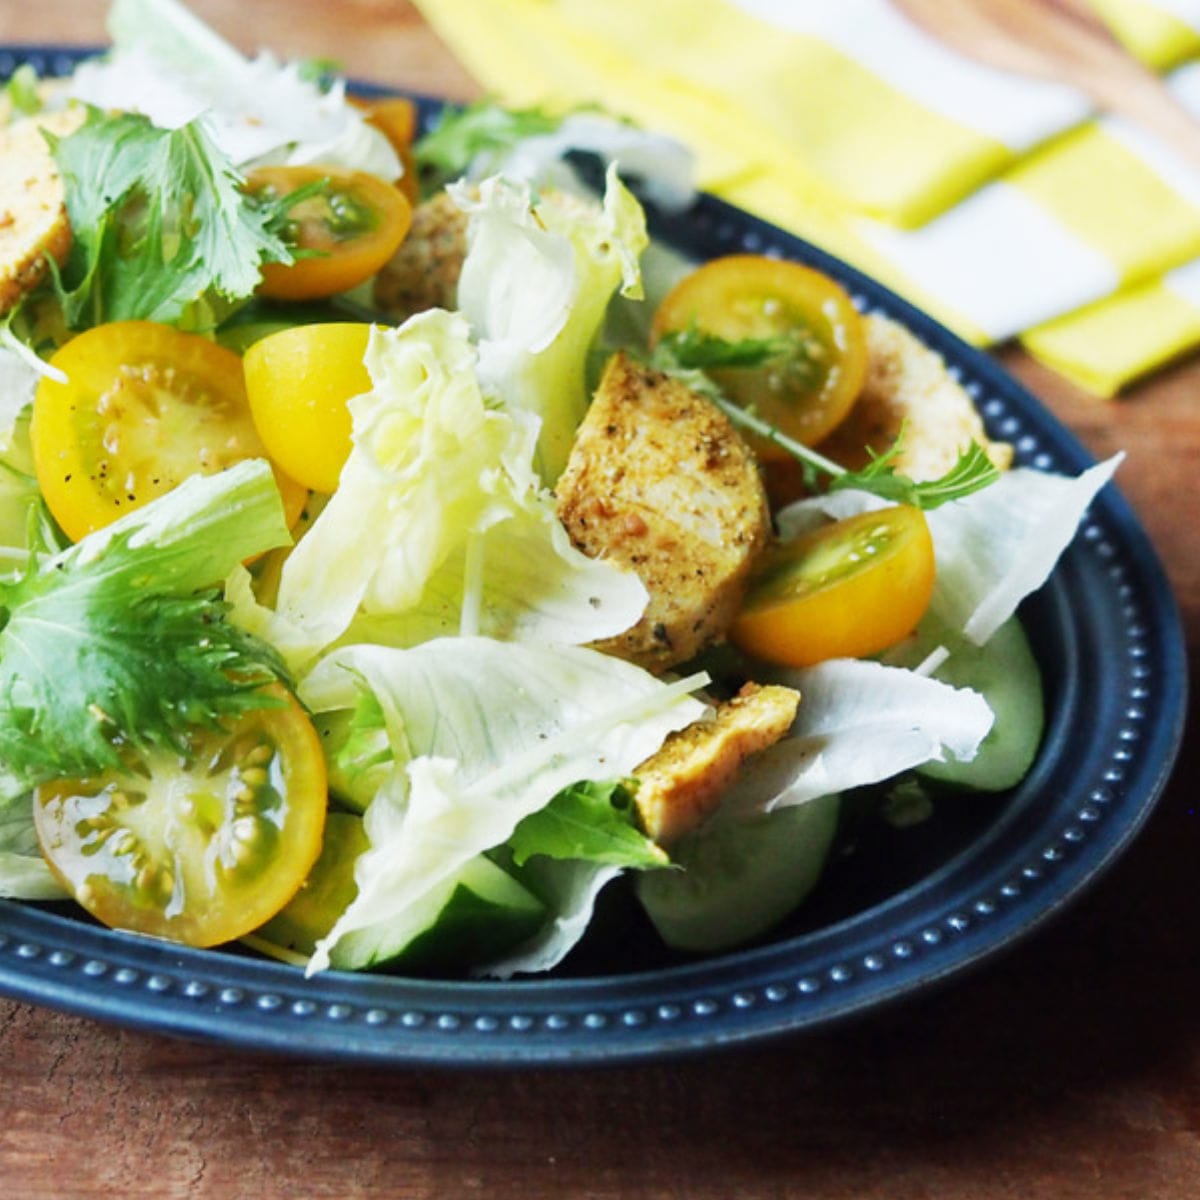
[993,200]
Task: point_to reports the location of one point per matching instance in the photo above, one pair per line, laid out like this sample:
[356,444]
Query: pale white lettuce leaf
[169,65]
[570,888]
[23,872]
[999,545]
[664,167]
[535,285]
[483,733]
[859,723]
[439,524]
[18,383]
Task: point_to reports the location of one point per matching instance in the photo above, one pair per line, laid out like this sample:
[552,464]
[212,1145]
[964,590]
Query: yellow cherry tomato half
[201,848]
[298,382]
[848,589]
[808,387]
[143,408]
[352,226]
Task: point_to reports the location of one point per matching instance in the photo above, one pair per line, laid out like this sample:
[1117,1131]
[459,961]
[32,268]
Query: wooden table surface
[1071,1069]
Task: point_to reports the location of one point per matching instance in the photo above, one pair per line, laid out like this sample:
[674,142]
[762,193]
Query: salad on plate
[399,548]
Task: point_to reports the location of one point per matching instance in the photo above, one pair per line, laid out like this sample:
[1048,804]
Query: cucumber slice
[1006,674]
[479,916]
[330,887]
[740,875]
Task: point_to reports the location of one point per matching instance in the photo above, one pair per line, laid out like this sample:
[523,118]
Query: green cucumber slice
[1005,672]
[329,888]
[479,916]
[740,875]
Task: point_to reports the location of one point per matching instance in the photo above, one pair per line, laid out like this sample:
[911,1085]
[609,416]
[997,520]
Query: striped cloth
[993,200]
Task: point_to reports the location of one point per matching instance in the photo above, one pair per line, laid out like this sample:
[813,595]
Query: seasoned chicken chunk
[682,784]
[658,481]
[33,215]
[909,386]
[424,272]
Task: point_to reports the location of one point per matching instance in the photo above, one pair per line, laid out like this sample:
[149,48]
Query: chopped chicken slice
[424,272]
[33,215]
[909,385]
[659,482]
[682,784]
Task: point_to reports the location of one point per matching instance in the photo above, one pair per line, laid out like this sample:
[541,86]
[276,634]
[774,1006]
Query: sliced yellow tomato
[143,408]
[298,382]
[808,387]
[351,227]
[848,589]
[201,848]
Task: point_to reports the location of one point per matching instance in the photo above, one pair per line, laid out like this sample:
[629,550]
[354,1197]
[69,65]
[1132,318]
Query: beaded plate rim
[1109,591]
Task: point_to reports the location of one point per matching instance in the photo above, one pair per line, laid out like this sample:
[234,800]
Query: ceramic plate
[902,913]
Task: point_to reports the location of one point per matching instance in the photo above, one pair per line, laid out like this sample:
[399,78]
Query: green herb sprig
[689,354]
[464,134]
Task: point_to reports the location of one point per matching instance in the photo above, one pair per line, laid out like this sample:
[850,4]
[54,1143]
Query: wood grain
[1068,1071]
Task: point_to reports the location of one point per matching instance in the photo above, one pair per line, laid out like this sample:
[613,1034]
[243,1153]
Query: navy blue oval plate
[907,910]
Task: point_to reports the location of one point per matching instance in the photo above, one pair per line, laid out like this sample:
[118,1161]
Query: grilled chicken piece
[659,482]
[33,214]
[424,272]
[908,385]
[682,784]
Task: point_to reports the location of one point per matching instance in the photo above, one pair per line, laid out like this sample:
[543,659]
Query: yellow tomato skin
[202,849]
[807,389]
[143,407]
[846,590]
[298,382]
[353,229]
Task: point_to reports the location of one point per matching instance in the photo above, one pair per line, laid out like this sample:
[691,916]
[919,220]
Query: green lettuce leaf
[111,641]
[590,820]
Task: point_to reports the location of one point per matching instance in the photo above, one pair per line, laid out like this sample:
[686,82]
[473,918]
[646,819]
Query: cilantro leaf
[162,228]
[590,820]
[463,134]
[109,642]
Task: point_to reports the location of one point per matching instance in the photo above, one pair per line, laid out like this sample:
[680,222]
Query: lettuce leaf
[532,145]
[110,640]
[590,820]
[18,383]
[535,286]
[996,547]
[570,888]
[859,723]
[23,871]
[168,65]
[439,524]
[483,734]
